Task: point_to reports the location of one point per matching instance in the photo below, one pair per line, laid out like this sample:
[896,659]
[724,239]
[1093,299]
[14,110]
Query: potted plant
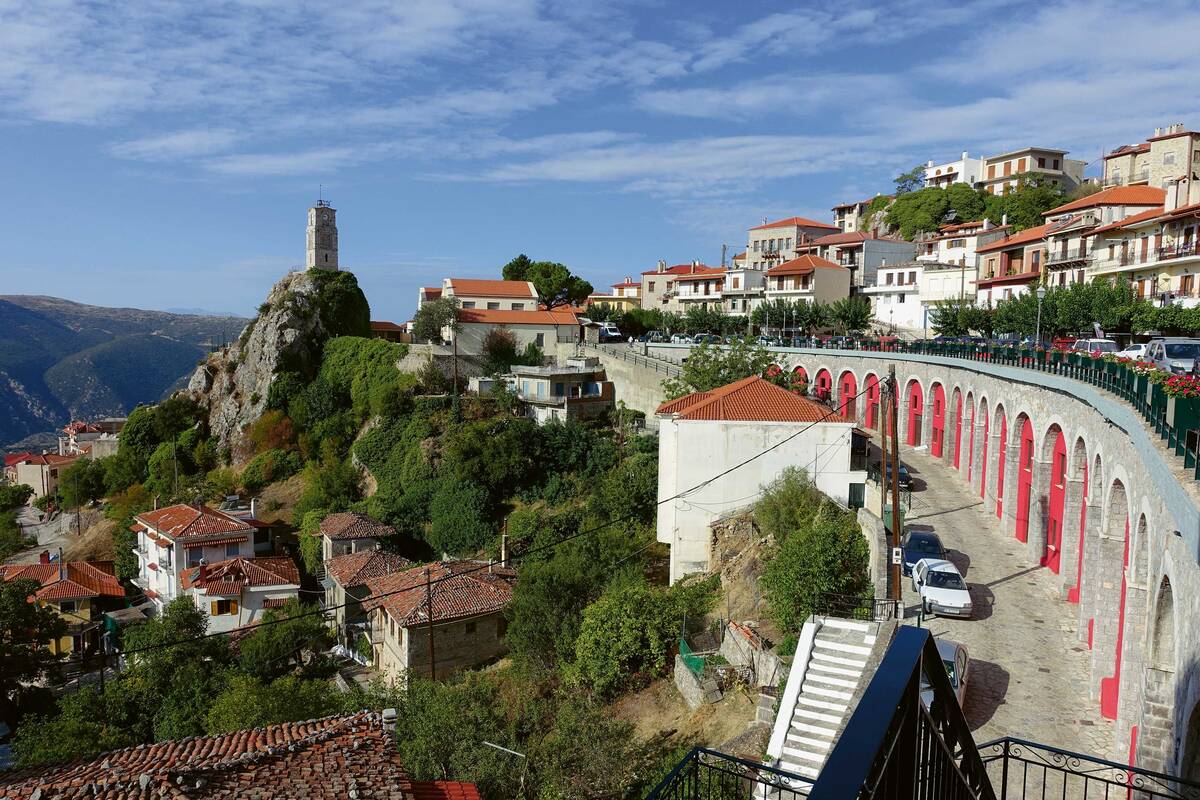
[1183,402]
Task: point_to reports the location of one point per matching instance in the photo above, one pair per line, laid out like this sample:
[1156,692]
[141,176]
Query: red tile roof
[626,284]
[1025,237]
[853,237]
[384,325]
[1000,280]
[706,274]
[1130,220]
[183,522]
[355,569]
[491,288]
[317,759]
[1116,196]
[752,399]
[353,525]
[1183,211]
[802,266]
[501,317]
[432,292]
[41,459]
[679,269]
[460,589]
[1129,149]
[444,790]
[81,579]
[234,574]
[11,459]
[794,222]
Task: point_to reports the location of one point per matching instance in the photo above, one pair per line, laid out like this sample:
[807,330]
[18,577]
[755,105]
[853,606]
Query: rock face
[288,333]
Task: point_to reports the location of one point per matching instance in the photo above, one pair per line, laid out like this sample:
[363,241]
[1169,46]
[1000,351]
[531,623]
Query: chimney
[62,567]
[987,224]
[203,576]
[1158,131]
[253,508]
[1004,219]
[662,265]
[504,546]
[929,164]
[964,155]
[44,557]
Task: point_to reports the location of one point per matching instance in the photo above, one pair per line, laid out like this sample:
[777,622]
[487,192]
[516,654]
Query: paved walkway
[1029,670]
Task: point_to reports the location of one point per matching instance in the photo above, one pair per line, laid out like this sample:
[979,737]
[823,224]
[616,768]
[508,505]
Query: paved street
[1029,670]
[50,535]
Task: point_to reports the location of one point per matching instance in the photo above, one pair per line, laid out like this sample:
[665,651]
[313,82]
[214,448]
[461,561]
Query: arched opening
[938,434]
[1056,508]
[916,412]
[872,394]
[1118,519]
[799,380]
[957,428]
[1080,462]
[1156,732]
[970,436]
[1001,456]
[824,385]
[1024,477]
[848,395]
[983,461]
[1189,766]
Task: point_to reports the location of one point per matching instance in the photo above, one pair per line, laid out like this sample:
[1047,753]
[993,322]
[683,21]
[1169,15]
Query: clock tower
[321,251]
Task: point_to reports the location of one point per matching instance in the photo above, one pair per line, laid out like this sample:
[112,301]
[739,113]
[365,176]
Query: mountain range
[61,360]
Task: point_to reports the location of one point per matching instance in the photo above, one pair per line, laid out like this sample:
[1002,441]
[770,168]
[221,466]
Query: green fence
[693,662]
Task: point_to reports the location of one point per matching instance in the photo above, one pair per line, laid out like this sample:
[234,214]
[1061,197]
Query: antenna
[321,201]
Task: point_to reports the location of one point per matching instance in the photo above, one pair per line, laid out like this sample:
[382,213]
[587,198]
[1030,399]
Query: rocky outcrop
[288,335]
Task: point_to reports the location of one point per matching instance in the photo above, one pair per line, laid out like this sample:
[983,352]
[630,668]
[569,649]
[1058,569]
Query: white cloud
[280,164]
[176,145]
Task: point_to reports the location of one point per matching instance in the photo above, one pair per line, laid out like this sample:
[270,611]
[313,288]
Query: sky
[164,154]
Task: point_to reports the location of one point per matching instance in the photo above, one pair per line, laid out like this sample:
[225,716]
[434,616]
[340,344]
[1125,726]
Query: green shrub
[458,517]
[268,467]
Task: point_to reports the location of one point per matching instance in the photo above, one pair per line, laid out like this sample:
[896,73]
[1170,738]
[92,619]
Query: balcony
[1141,176]
[1179,250]
[1060,256]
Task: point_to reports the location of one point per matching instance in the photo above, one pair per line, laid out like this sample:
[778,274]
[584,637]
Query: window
[1007,168]
[468,304]
[471,626]
[788,246]
[1168,158]
[193,555]
[1021,165]
[912,277]
[901,298]
[540,339]
[501,626]
[223,607]
[262,536]
[756,245]
[889,279]
[1041,162]
[558,390]
[67,606]
[1055,164]
[518,306]
[991,171]
[493,305]
[1186,284]
[232,549]
[650,286]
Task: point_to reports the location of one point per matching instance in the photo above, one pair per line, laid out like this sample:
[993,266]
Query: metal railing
[626,354]
[1058,256]
[1180,250]
[1020,769]
[850,606]
[705,774]
[898,746]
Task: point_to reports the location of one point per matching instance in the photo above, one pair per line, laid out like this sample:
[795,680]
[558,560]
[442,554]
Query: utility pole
[429,616]
[896,524]
[723,249]
[883,452]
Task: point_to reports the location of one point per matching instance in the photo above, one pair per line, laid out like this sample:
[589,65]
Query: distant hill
[61,360]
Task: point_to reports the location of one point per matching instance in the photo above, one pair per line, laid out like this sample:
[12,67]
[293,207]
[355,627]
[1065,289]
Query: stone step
[842,647]
[830,681]
[826,669]
[805,716]
[821,691]
[823,705]
[810,741]
[846,624]
[799,769]
[808,727]
[795,752]
[839,660]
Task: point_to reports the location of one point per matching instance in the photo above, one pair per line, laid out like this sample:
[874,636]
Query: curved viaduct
[1075,477]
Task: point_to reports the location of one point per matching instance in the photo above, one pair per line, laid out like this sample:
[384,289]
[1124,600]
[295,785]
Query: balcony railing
[1059,256]
[1122,180]
[705,774]
[849,606]
[1180,250]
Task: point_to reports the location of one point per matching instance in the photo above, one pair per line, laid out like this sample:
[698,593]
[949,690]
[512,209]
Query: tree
[247,702]
[967,203]
[919,211]
[1024,206]
[947,317]
[272,649]
[499,350]
[517,269]
[851,313]
[81,483]
[26,631]
[432,317]
[458,518]
[910,181]
[709,368]
[554,282]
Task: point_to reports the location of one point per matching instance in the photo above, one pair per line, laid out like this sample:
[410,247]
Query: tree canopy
[709,368]
[555,284]
[434,316]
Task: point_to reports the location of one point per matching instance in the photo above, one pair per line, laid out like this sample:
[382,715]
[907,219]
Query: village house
[906,293]
[578,390]
[346,755]
[773,243]
[237,591]
[345,585]
[965,169]
[625,295]
[540,328]
[851,217]
[701,435]
[351,532]
[862,254]
[1071,226]
[467,599]
[180,537]
[658,286]
[78,591]
[744,289]
[1010,266]
[390,331]
[38,471]
[97,439]
[491,295]
[808,277]
[1002,172]
[956,243]
[1171,153]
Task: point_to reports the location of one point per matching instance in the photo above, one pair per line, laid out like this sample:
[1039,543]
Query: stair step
[848,662]
[794,752]
[799,769]
[824,705]
[821,691]
[869,639]
[845,624]
[810,741]
[828,669]
[819,678]
[857,649]
[804,716]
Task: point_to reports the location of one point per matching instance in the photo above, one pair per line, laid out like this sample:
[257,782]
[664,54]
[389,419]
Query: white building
[965,170]
[542,328]
[906,293]
[704,434]
[744,289]
[237,591]
[956,243]
[490,295]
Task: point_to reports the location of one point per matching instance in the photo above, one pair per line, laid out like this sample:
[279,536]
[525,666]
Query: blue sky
[163,154]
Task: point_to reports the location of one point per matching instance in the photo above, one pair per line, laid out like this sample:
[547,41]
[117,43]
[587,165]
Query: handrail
[684,781]
[852,606]
[893,746]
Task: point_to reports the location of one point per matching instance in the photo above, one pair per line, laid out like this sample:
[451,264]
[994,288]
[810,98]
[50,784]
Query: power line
[489,565]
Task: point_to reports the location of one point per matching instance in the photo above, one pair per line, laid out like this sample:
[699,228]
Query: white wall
[472,334]
[250,606]
[690,452]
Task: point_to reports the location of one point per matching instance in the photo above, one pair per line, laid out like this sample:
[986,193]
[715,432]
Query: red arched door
[848,395]
[1073,592]
[1024,480]
[915,414]
[987,424]
[957,427]
[938,444]
[824,384]
[1110,688]
[1052,558]
[872,413]
[799,379]
[971,439]
[1003,447]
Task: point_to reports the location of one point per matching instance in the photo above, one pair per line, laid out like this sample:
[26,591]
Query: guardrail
[705,774]
[623,352]
[849,606]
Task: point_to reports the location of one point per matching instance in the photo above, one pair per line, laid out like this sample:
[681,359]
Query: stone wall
[696,691]
[457,645]
[879,551]
[743,648]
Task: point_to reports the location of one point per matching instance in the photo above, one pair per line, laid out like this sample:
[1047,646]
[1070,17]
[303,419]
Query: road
[1029,672]
[50,535]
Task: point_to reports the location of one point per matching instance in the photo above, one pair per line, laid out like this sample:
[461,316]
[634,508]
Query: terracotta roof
[853,237]
[491,288]
[182,522]
[1130,220]
[958,226]
[444,790]
[11,459]
[79,426]
[355,569]
[316,759]
[1182,211]
[740,256]
[679,269]
[794,222]
[626,284]
[502,317]
[752,399]
[1115,196]
[232,575]
[1129,149]
[383,325]
[432,292]
[353,525]
[1026,236]
[460,589]
[41,459]
[802,266]
[81,579]
[708,273]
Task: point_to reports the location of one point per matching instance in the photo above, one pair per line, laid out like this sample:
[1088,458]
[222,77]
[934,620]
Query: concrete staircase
[823,689]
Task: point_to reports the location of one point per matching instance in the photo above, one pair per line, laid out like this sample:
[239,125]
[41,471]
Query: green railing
[693,662]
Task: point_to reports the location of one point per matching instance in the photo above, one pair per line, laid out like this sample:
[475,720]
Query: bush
[341,305]
[268,467]
[81,483]
[458,517]
[789,503]
[272,431]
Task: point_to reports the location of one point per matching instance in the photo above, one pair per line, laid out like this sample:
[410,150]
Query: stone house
[351,532]
[810,278]
[78,591]
[345,584]
[468,600]
[1170,153]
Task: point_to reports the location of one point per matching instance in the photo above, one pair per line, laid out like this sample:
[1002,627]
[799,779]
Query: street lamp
[1037,336]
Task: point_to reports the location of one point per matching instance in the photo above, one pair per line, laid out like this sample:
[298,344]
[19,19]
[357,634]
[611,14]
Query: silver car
[958,669]
[1173,355]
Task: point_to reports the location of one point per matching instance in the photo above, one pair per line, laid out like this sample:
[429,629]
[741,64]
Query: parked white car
[942,588]
[1135,351]
[958,669]
[680,338]
[1096,345]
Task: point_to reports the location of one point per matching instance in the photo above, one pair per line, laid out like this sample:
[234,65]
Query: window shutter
[214,608]
[233,607]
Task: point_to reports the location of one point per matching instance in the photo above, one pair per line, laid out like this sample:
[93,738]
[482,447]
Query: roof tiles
[752,399]
[1116,196]
[182,522]
[458,589]
[353,525]
[795,222]
[355,569]
[491,288]
[802,266]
